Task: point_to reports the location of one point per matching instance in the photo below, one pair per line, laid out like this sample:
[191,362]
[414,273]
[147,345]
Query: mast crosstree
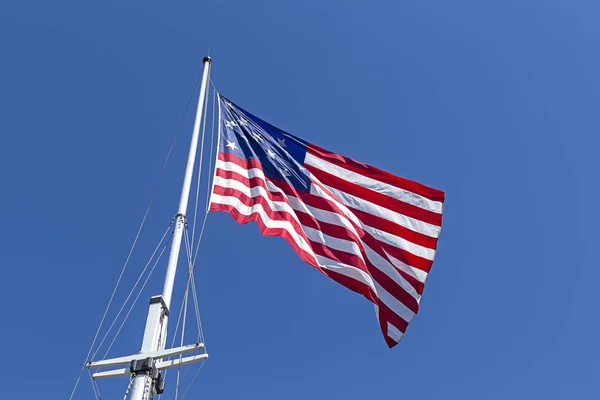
[145,367]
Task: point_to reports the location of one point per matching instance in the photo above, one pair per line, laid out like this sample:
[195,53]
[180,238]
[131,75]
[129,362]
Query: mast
[155,333]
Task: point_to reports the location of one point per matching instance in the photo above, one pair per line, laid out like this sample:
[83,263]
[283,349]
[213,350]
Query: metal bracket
[160,365]
[159,299]
[141,356]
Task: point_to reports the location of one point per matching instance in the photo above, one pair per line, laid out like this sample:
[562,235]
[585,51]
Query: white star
[281,142]
[230,124]
[243,122]
[285,172]
[231,144]
[271,153]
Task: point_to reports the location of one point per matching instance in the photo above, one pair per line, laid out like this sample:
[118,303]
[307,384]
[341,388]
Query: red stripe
[253,163]
[403,255]
[264,230]
[388,226]
[342,233]
[242,162]
[350,283]
[332,229]
[250,182]
[376,173]
[386,314]
[382,200]
[340,256]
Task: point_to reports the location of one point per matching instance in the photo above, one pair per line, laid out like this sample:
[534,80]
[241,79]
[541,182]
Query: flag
[371,231]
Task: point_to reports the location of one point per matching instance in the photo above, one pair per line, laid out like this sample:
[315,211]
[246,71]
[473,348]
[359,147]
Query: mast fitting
[147,366]
[159,299]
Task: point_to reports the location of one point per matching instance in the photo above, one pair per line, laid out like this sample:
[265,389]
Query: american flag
[369,230]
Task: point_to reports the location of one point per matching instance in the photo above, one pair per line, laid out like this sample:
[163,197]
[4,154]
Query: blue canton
[248,137]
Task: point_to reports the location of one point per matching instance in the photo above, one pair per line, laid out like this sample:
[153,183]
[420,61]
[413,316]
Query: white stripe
[417,273]
[347,270]
[327,263]
[394,304]
[233,167]
[335,218]
[346,246]
[400,242]
[258,209]
[394,332]
[316,190]
[411,223]
[351,247]
[388,269]
[375,185]
[255,191]
[386,298]
[324,262]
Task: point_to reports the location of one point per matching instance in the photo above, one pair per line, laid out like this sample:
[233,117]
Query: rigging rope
[138,295]
[173,341]
[212,141]
[193,379]
[208,188]
[133,288]
[200,167]
[95,387]
[185,302]
[112,296]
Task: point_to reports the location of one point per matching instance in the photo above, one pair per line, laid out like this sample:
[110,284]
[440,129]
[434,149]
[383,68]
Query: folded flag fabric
[369,230]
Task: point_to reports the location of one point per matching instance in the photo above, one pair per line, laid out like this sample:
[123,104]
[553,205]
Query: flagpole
[158,314]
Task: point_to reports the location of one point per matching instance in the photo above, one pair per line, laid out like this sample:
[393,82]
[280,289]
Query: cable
[138,295]
[133,289]
[200,167]
[193,379]
[87,357]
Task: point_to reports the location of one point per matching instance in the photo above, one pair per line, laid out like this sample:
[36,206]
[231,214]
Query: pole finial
[207,59]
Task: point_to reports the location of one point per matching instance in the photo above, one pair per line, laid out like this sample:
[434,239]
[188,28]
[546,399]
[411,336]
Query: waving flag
[369,230]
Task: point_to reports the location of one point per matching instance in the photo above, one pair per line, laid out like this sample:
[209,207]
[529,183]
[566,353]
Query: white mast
[144,367]
[156,327]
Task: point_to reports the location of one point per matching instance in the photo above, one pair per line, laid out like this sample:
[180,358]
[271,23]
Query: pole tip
[207,59]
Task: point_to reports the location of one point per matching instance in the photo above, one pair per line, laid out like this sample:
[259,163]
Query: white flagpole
[158,314]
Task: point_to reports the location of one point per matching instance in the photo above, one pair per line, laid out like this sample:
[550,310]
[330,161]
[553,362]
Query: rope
[200,167]
[95,387]
[133,289]
[197,310]
[212,142]
[185,302]
[193,379]
[87,357]
[129,386]
[138,296]
[184,309]
[208,189]
[191,266]
[174,338]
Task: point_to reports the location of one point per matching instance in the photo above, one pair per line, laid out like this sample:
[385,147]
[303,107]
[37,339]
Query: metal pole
[158,314]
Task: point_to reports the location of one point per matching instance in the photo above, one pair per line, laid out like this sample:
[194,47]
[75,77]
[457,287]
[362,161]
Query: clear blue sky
[494,102]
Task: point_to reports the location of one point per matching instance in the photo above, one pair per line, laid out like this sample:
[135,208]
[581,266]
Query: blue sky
[494,102]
